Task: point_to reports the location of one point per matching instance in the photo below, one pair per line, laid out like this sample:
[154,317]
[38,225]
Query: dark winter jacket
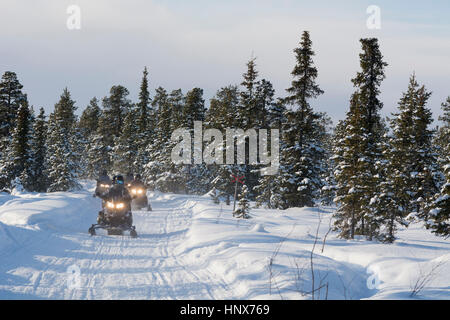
[103,180]
[117,193]
[99,190]
[128,179]
[138,184]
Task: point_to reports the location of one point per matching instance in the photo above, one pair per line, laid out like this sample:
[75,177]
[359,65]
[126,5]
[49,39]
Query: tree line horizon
[380,172]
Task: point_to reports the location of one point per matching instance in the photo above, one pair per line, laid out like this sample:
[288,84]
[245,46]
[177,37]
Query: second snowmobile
[138,190]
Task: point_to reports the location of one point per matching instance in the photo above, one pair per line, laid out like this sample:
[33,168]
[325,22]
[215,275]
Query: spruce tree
[176,101]
[160,172]
[125,147]
[61,158]
[197,176]
[221,115]
[243,209]
[38,150]
[89,118]
[442,141]
[439,216]
[145,124]
[17,162]
[86,128]
[358,151]
[350,171]
[302,154]
[145,112]
[194,108]
[156,147]
[11,98]
[413,156]
[247,115]
[115,109]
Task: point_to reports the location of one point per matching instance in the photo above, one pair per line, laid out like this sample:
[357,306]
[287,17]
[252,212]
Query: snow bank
[269,256]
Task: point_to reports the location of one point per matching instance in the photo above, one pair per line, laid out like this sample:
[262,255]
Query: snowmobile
[115,218]
[140,200]
[101,189]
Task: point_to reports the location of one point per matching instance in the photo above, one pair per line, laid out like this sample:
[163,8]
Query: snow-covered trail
[190,248]
[110,267]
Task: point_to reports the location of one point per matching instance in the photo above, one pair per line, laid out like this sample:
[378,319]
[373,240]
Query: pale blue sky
[206,44]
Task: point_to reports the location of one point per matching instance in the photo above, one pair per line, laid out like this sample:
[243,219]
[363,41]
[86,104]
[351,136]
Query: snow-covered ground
[190,248]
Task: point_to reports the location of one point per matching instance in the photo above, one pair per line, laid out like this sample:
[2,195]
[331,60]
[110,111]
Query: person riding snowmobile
[138,189]
[103,184]
[128,178]
[118,192]
[116,216]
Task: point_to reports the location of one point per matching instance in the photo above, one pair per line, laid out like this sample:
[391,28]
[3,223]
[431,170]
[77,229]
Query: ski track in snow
[189,248]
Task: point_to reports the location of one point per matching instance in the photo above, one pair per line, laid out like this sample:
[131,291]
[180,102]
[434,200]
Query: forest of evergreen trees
[381,173]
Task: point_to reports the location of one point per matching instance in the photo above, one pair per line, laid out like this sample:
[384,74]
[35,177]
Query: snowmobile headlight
[120,205]
[134,191]
[110,205]
[139,191]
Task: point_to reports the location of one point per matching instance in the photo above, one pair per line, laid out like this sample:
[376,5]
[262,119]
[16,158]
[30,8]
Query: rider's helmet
[118,180]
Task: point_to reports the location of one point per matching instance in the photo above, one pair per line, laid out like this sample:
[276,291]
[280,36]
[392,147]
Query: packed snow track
[190,248]
[53,257]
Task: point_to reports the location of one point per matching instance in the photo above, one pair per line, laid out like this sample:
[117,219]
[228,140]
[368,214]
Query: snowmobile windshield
[119,182]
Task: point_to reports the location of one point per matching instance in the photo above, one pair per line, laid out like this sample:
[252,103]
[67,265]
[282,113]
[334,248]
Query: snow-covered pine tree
[11,98]
[439,215]
[246,116]
[442,140]
[194,108]
[156,147]
[17,160]
[221,115]
[98,156]
[115,109]
[87,127]
[427,180]
[243,209]
[38,151]
[269,188]
[197,177]
[413,156]
[255,98]
[177,102]
[386,208]
[145,124]
[125,146]
[61,159]
[302,154]
[349,172]
[357,151]
[328,181]
[160,172]
[89,118]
